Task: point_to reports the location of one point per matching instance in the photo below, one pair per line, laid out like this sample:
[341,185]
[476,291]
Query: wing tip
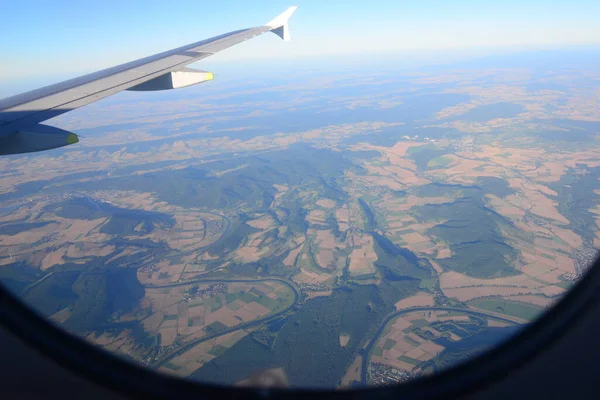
[282,18]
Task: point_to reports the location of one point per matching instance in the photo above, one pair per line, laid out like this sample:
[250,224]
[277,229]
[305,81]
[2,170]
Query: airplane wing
[20,115]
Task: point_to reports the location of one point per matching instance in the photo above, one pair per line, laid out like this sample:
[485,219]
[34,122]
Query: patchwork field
[175,232]
[189,312]
[414,341]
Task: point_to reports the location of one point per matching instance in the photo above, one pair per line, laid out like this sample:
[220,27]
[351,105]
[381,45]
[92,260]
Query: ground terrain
[354,230]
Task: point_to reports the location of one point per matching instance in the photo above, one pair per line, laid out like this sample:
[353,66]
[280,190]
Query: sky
[61,39]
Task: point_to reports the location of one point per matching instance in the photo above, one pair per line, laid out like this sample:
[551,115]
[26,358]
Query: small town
[212,290]
[382,375]
[314,287]
[464,144]
[583,257]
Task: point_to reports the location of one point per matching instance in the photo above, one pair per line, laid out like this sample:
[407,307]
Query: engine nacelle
[36,138]
[174,80]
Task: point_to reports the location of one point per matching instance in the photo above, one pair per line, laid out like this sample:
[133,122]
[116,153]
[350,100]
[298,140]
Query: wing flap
[174,80]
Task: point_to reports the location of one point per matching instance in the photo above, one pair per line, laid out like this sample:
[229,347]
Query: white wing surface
[20,115]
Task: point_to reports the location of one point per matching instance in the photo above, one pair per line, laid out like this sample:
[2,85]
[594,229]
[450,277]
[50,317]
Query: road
[367,351]
[180,350]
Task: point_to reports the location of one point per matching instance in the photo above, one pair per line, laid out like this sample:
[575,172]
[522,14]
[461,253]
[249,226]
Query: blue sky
[65,38]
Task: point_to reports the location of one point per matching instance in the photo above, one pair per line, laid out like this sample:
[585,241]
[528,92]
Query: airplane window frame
[125,377]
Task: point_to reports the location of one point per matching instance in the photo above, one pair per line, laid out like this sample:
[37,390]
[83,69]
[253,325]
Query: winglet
[279,25]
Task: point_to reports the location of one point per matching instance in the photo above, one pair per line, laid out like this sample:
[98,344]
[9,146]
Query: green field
[172,366]
[422,155]
[411,341]
[409,329]
[438,162]
[419,323]
[218,350]
[428,284]
[565,284]
[409,360]
[516,309]
[450,314]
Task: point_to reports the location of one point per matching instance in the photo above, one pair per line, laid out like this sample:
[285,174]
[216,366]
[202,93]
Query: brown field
[344,339]
[504,207]
[282,189]
[552,290]
[537,300]
[353,373]
[400,171]
[343,218]
[263,223]
[291,258]
[198,355]
[421,315]
[119,343]
[61,316]
[551,171]
[436,266]
[53,258]
[324,293]
[535,269]
[256,244]
[570,237]
[312,277]
[381,181]
[30,236]
[541,205]
[168,336]
[316,217]
[323,247]
[443,253]
[560,261]
[412,201]
[551,276]
[464,294]
[494,323]
[413,347]
[363,255]
[462,170]
[249,254]
[391,360]
[452,279]
[456,110]
[549,245]
[80,239]
[418,300]
[172,271]
[400,148]
[326,203]
[325,238]
[401,324]
[453,318]
[505,316]
[413,238]
[273,377]
[176,319]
